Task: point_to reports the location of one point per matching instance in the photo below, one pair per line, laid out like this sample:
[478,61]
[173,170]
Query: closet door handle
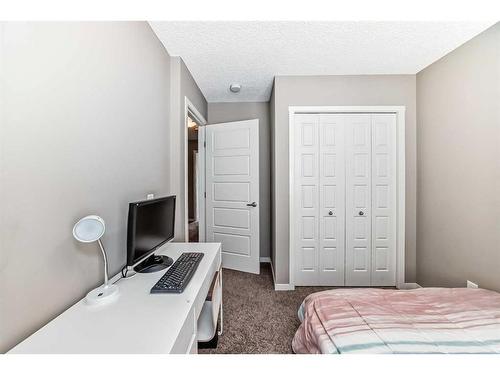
[361,213]
[330,213]
[253,204]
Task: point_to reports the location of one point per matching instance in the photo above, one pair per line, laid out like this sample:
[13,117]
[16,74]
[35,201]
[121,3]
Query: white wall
[337,90]
[84,129]
[225,112]
[458,126]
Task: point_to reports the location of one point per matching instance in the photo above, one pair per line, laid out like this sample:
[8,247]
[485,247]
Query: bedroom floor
[257,319]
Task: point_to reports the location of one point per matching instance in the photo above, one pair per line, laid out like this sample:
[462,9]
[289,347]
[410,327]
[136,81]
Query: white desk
[138,322]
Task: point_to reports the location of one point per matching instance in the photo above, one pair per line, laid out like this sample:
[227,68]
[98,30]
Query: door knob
[361,213]
[330,213]
[253,204]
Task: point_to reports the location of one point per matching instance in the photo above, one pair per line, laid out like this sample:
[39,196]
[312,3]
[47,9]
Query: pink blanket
[426,320]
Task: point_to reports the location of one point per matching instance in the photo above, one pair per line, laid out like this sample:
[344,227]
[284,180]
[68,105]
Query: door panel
[358,199]
[231,218]
[384,200]
[234,243]
[232,182]
[319,200]
[306,167]
[232,139]
[234,165]
[331,205]
[232,191]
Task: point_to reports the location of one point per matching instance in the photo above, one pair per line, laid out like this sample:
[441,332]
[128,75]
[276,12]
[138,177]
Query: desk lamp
[90,229]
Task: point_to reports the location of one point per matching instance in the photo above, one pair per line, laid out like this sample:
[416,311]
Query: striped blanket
[426,320]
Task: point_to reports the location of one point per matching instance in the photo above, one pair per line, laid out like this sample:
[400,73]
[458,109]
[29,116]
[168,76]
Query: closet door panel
[331,200]
[306,199]
[383,271]
[358,152]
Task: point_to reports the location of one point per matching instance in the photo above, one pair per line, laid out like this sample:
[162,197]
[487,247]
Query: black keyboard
[179,274]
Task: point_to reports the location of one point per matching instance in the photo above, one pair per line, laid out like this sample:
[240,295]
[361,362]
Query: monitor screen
[150,225]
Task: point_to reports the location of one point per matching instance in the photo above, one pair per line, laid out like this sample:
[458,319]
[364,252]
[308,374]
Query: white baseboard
[265,259]
[280,287]
[410,286]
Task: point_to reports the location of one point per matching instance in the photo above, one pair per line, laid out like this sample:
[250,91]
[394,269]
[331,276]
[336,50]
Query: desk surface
[137,322]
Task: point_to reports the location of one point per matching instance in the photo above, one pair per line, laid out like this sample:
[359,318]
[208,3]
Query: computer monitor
[150,225]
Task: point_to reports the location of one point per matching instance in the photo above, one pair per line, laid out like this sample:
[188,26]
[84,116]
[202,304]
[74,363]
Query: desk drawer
[187,335]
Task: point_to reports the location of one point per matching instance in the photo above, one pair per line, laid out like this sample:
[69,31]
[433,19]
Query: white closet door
[331,200]
[383,271]
[344,199]
[306,168]
[358,199]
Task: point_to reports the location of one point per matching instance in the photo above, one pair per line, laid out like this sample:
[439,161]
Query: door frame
[400,178]
[190,109]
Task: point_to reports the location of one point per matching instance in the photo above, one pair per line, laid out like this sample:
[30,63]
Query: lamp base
[103,294]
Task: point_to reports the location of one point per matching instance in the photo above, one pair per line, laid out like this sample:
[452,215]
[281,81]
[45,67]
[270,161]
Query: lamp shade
[89,229]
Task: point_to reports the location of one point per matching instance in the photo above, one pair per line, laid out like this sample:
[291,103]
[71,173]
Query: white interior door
[306,195]
[384,195]
[319,190]
[344,199]
[358,199]
[331,199]
[232,192]
[371,200]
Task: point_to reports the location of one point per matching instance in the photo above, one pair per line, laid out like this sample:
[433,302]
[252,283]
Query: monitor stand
[154,263]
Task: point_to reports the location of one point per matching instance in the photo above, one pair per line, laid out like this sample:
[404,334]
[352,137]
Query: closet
[344,199]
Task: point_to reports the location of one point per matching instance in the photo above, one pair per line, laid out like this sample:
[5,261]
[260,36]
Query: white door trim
[189,108]
[401,168]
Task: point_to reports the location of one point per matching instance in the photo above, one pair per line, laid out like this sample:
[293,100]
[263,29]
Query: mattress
[424,320]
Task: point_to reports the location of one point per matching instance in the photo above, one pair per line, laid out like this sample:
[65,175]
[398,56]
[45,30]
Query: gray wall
[225,112]
[338,90]
[84,129]
[459,166]
[183,85]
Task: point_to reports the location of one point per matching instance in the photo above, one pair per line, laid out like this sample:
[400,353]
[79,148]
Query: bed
[424,320]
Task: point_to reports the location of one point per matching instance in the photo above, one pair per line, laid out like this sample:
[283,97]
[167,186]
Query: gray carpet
[258,319]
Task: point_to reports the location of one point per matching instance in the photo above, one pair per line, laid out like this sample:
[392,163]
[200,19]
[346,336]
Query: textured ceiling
[252,53]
